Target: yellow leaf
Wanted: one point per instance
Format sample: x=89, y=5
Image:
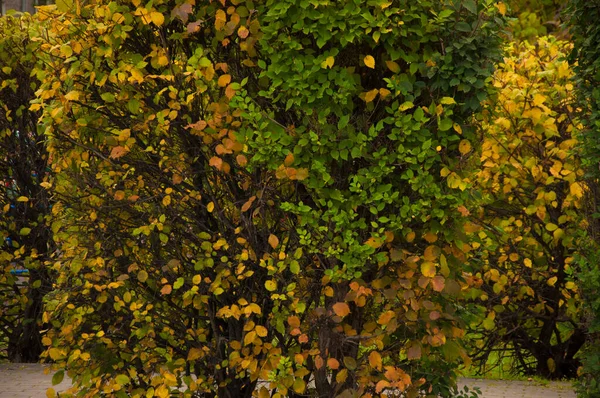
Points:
x=527, y=262
x=501, y=8
x=341, y=376
x=552, y=281
x=328, y=63
x=249, y=338
x=369, y=61
x=271, y=285
x=142, y=276
x=576, y=190
x=157, y=18
x=162, y=392
x=393, y=66
x=50, y=393
x=464, y=147
x=194, y=354
x=273, y=241
x=447, y=101
x=261, y=331
x=457, y=128
x=428, y=269
x=299, y=386
x=72, y=95
x=210, y=207
x=370, y=95
x=22, y=199
x=538, y=99
x=384, y=92
x=341, y=309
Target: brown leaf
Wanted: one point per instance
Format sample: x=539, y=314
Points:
x=118, y=151
x=414, y=351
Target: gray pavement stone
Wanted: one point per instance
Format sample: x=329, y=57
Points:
x=32, y=381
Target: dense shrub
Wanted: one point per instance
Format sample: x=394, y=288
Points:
x=531, y=186
x=25, y=239
x=585, y=56
x=262, y=191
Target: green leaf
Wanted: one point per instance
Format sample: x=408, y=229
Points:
x=58, y=377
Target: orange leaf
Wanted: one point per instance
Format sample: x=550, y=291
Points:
x=294, y=321
x=303, y=338
x=248, y=204
x=386, y=317
x=333, y=363
x=319, y=362
x=273, y=241
x=119, y=195
x=375, y=360
x=464, y=211
x=224, y=80
x=229, y=92
x=289, y=159
x=242, y=160
x=341, y=309
x=166, y=289
x=243, y=32
x=216, y=161
x=118, y=151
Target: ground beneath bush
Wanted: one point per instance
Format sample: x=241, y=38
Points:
x=31, y=381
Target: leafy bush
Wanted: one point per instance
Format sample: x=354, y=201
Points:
x=25, y=239
x=532, y=189
x=262, y=191
x=582, y=17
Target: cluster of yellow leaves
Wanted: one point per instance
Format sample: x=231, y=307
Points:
x=531, y=177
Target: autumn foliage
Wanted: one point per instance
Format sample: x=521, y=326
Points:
x=531, y=185
x=260, y=198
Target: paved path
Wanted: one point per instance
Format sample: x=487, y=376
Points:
x=30, y=381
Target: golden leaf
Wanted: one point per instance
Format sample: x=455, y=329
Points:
x=369, y=62
x=464, y=147
x=157, y=18
x=194, y=354
x=370, y=95
x=428, y=269
x=393, y=66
